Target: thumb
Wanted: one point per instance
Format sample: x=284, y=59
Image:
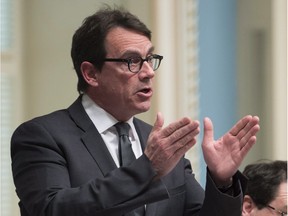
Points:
x=208, y=135
x=159, y=122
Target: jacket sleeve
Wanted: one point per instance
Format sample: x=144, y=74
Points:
x=217, y=203
x=212, y=201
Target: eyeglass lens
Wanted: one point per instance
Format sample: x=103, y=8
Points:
x=135, y=64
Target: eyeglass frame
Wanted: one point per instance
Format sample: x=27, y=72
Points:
x=277, y=210
x=128, y=61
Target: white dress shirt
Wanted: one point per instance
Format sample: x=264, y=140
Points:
x=104, y=122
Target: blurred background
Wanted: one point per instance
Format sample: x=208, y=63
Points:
x=223, y=59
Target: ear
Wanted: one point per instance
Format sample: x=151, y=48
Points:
x=248, y=206
x=89, y=73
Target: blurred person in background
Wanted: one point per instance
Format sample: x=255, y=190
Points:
x=266, y=193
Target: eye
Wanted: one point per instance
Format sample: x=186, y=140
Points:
x=135, y=60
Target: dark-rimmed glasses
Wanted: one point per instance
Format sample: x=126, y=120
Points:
x=135, y=63
x=277, y=210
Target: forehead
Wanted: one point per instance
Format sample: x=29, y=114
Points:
x=281, y=196
x=282, y=190
x=120, y=41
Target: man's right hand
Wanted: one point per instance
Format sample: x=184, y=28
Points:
x=166, y=146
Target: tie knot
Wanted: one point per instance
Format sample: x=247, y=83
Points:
x=122, y=128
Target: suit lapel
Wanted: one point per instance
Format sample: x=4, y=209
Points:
x=97, y=148
x=91, y=138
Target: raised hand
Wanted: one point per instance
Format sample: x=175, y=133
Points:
x=224, y=156
x=167, y=145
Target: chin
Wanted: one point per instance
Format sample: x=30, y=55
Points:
x=143, y=108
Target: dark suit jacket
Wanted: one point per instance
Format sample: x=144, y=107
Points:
x=62, y=167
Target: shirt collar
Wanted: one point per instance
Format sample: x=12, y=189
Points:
x=100, y=118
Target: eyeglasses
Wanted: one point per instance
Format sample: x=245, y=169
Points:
x=135, y=63
x=276, y=210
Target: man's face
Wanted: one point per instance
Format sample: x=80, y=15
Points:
x=119, y=91
x=279, y=203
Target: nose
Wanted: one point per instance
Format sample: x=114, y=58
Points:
x=146, y=71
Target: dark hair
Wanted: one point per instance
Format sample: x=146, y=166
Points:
x=263, y=181
x=88, y=43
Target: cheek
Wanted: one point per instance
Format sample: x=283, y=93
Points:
x=109, y=82
x=117, y=84
x=117, y=90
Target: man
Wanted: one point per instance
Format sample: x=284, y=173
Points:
x=266, y=193
x=69, y=162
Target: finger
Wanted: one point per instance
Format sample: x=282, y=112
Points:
x=240, y=125
x=171, y=128
x=246, y=148
x=159, y=122
x=208, y=134
x=249, y=129
x=180, y=152
x=184, y=140
x=252, y=132
x=184, y=134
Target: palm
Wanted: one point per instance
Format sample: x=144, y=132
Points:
x=224, y=156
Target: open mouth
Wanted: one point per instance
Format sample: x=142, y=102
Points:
x=145, y=90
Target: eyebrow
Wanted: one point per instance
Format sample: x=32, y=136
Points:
x=135, y=52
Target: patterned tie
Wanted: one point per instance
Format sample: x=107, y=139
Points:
x=126, y=156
